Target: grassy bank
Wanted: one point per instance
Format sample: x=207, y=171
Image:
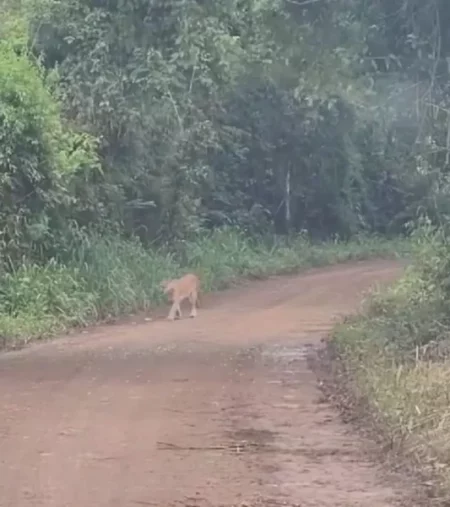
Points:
x=109, y=276
x=395, y=363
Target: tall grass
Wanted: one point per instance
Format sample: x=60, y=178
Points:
x=395, y=362
x=110, y=276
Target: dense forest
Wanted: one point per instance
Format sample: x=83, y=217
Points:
x=158, y=119
x=143, y=138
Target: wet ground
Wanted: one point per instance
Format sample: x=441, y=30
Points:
x=221, y=410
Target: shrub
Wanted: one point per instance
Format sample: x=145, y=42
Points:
x=37, y=153
x=396, y=355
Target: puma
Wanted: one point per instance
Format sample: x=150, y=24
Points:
x=186, y=287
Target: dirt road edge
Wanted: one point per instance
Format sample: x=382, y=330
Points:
x=337, y=384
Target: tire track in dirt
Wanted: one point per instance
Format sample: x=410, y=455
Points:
x=217, y=411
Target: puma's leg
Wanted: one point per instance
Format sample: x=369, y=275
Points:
x=174, y=310
x=193, y=301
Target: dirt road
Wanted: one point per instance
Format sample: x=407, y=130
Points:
x=217, y=411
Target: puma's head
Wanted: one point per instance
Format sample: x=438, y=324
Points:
x=166, y=285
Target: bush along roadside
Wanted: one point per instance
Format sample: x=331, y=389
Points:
x=394, y=360
x=108, y=277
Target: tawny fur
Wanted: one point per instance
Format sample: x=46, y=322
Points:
x=186, y=287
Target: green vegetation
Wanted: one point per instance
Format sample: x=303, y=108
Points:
x=109, y=277
x=160, y=119
x=396, y=356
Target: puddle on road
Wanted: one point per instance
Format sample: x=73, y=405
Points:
x=289, y=353
x=279, y=352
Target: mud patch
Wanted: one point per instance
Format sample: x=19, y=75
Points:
x=250, y=439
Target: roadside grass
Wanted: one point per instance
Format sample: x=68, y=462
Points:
x=393, y=361
x=108, y=277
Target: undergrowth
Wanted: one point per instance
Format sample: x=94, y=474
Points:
x=107, y=277
x=395, y=359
